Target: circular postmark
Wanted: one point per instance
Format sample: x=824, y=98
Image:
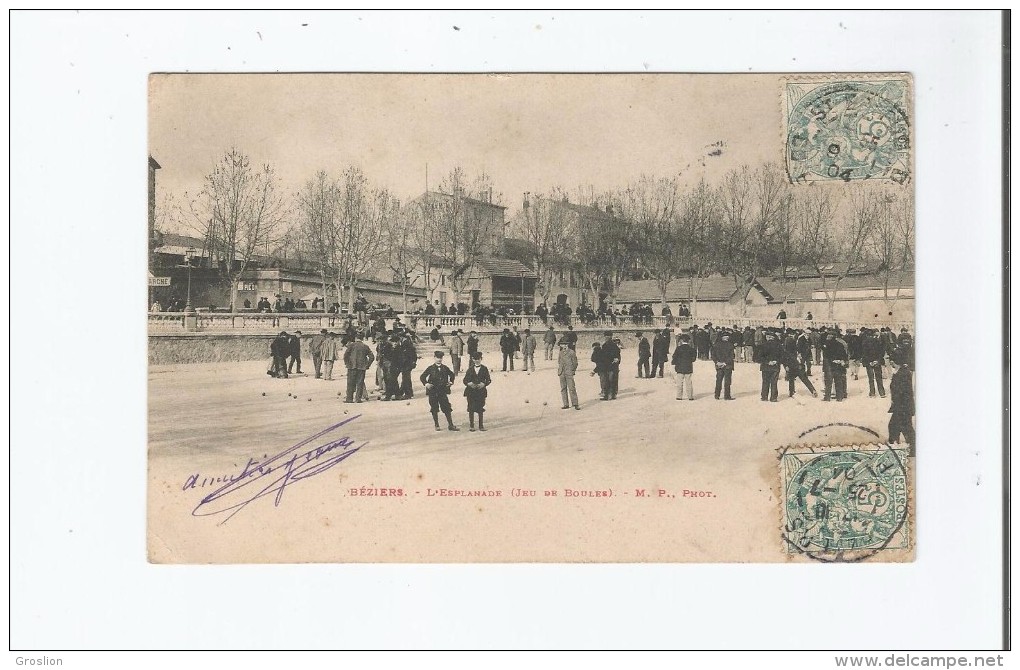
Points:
x=844, y=504
x=848, y=130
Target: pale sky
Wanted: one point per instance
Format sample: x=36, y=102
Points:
x=529, y=132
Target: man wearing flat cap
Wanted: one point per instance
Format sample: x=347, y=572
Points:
x=438, y=379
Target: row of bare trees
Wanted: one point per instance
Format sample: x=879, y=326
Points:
x=752, y=223
x=340, y=225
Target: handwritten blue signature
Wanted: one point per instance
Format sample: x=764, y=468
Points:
x=271, y=476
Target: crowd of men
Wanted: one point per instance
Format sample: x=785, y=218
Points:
x=788, y=353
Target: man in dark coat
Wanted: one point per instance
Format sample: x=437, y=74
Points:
x=476, y=379
x=279, y=348
x=816, y=344
x=769, y=359
x=702, y=342
x=901, y=388
x=873, y=358
x=408, y=362
x=609, y=366
x=660, y=352
x=804, y=350
x=358, y=358
x=472, y=344
x=683, y=362
x=795, y=368
x=723, y=355
x=644, y=353
x=747, y=340
x=836, y=358
x=854, y=351
x=390, y=362
x=438, y=379
x=508, y=345
x=294, y=351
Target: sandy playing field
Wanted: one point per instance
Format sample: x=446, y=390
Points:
x=644, y=477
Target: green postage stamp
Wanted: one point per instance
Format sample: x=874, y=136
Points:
x=848, y=129
x=846, y=503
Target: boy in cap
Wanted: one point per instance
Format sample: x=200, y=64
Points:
x=476, y=379
x=438, y=379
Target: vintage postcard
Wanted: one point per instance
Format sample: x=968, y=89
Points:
x=458, y=318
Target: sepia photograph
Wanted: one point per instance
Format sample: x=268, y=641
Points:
x=531, y=318
x=509, y=330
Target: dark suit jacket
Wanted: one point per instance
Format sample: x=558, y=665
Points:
x=901, y=388
x=683, y=359
x=475, y=376
x=440, y=376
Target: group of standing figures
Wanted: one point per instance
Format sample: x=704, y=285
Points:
x=839, y=355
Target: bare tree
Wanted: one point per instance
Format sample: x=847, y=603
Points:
x=891, y=242
x=735, y=199
x=653, y=205
x=363, y=212
x=771, y=193
x=545, y=223
x=850, y=240
x=317, y=204
x=426, y=217
x=597, y=241
x=241, y=211
x=700, y=230
x=816, y=228
x=401, y=256
x=454, y=229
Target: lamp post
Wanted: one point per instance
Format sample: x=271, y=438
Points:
x=522, y=292
x=189, y=254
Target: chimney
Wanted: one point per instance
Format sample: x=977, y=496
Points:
x=526, y=202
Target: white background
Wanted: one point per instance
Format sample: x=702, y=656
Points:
x=79, y=578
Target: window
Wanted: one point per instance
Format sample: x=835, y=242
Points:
x=286, y=287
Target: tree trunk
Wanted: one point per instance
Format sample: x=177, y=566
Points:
x=233, y=295
x=324, y=292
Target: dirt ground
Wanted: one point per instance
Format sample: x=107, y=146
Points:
x=708, y=469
